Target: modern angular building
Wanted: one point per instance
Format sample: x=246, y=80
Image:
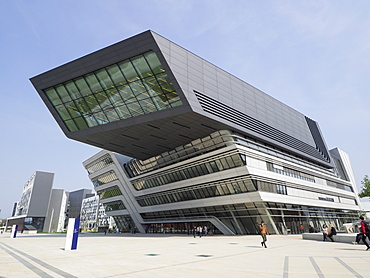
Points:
x=40, y=208
x=187, y=143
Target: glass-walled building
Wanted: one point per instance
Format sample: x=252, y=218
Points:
x=186, y=143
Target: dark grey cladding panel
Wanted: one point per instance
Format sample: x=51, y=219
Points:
x=96, y=60
x=319, y=141
x=248, y=125
x=196, y=74
x=144, y=139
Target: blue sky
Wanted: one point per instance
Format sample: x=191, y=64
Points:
x=312, y=55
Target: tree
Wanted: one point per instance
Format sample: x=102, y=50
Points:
x=365, y=191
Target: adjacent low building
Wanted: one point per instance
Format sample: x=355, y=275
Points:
x=186, y=143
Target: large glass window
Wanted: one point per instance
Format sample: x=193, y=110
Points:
x=130, y=88
x=217, y=165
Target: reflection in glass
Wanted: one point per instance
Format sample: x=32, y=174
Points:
x=130, y=88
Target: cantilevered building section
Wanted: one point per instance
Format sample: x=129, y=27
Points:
x=187, y=143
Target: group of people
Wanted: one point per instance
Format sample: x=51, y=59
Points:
x=362, y=233
x=328, y=232
x=200, y=231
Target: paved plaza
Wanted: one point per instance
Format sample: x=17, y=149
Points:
x=158, y=255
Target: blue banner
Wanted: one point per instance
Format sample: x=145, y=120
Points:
x=75, y=233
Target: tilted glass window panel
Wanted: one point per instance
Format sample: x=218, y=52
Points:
x=123, y=112
x=126, y=93
x=80, y=122
x=63, y=94
x=82, y=106
x=93, y=83
x=92, y=102
x=82, y=86
x=159, y=103
x=165, y=84
x=72, y=90
x=141, y=66
x=154, y=62
x=175, y=101
x=104, y=78
x=114, y=97
x=230, y=162
x=101, y=117
x=148, y=105
x=116, y=75
x=135, y=109
x=90, y=119
x=219, y=190
x=63, y=112
x=111, y=115
x=137, y=87
x=103, y=100
x=128, y=71
x=53, y=96
x=72, y=109
x=152, y=85
x=155, y=88
x=71, y=125
x=142, y=95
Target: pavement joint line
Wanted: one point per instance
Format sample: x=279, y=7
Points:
x=47, y=266
x=286, y=267
x=316, y=267
x=192, y=262
x=349, y=268
x=30, y=266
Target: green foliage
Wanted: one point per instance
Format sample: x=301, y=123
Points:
x=365, y=191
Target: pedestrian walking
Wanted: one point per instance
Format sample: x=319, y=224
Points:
x=205, y=230
x=301, y=227
x=264, y=232
x=194, y=231
x=199, y=230
x=364, y=232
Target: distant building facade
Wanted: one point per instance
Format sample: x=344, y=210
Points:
x=75, y=201
x=186, y=143
x=44, y=209
x=32, y=210
x=56, y=217
x=93, y=215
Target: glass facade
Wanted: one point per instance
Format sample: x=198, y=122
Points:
x=124, y=223
x=104, y=178
x=109, y=192
x=130, y=88
x=117, y=205
x=217, y=165
x=99, y=164
x=242, y=218
x=221, y=188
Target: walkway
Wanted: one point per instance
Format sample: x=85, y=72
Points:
x=157, y=255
